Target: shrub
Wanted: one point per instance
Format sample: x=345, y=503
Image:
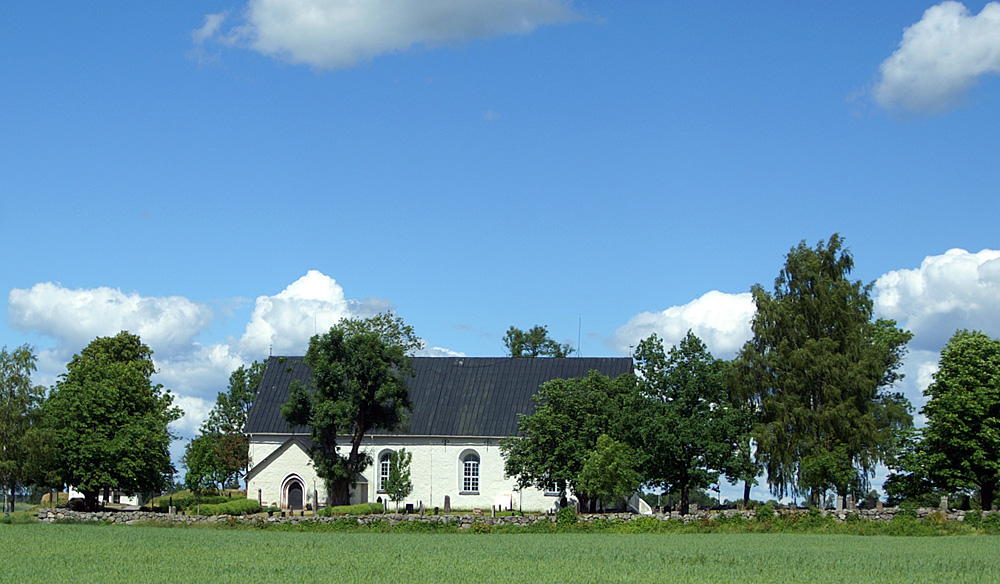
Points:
x=973, y=518
x=991, y=523
x=765, y=513
x=234, y=507
x=566, y=517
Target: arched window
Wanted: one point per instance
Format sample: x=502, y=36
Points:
x=470, y=474
x=383, y=470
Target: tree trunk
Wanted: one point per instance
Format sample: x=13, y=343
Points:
x=90, y=500
x=987, y=491
x=685, y=499
x=341, y=493
x=746, y=494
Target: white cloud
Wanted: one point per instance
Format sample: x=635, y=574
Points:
x=721, y=320
x=195, y=413
x=283, y=324
x=940, y=58
x=955, y=290
x=438, y=352
x=334, y=34
x=168, y=324
x=203, y=372
x=210, y=28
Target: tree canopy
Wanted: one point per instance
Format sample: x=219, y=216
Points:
x=360, y=378
x=961, y=443
x=21, y=442
x=556, y=441
x=683, y=422
x=534, y=343
x=111, y=420
x=821, y=371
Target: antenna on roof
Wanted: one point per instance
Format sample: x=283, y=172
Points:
x=579, y=332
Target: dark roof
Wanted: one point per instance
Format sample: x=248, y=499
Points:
x=452, y=396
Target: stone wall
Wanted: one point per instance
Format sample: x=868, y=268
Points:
x=464, y=521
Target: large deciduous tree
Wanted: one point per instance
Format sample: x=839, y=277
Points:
x=111, y=420
x=534, y=343
x=821, y=372
x=21, y=442
x=360, y=378
x=557, y=439
x=961, y=443
x=684, y=424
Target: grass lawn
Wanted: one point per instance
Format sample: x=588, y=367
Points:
x=94, y=554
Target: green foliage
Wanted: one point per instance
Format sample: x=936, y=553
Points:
x=610, y=473
x=184, y=501
x=398, y=485
x=111, y=421
x=555, y=441
x=991, y=523
x=683, y=422
x=566, y=516
x=961, y=445
x=820, y=371
x=534, y=343
x=204, y=469
x=233, y=507
x=25, y=448
x=360, y=370
x=764, y=513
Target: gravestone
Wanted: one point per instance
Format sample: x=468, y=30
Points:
x=878, y=505
x=840, y=502
x=944, y=504
x=850, y=503
x=447, y=504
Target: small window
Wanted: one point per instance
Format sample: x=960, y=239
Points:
x=383, y=471
x=470, y=474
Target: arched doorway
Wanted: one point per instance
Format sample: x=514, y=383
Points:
x=294, y=495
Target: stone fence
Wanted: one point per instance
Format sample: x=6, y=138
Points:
x=463, y=521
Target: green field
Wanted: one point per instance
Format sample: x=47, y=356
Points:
x=94, y=554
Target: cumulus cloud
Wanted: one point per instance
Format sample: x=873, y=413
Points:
x=940, y=58
x=334, y=34
x=284, y=323
x=168, y=324
x=195, y=413
x=955, y=290
x=721, y=320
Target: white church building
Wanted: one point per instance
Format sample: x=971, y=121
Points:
x=462, y=407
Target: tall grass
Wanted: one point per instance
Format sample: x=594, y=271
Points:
x=78, y=553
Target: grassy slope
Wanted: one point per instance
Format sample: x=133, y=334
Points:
x=94, y=554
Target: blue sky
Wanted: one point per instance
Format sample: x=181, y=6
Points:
x=225, y=178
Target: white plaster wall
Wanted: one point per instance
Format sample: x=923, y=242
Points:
x=436, y=470
x=267, y=481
